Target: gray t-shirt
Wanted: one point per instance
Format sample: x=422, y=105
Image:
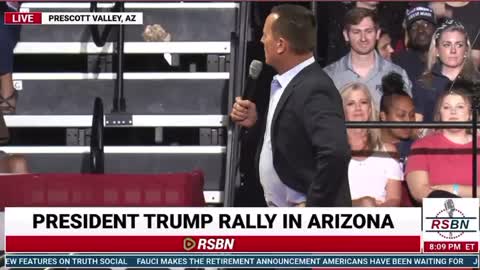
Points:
x=342, y=73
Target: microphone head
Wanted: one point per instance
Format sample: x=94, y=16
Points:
x=449, y=205
x=255, y=69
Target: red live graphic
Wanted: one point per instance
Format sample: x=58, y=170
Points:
x=23, y=18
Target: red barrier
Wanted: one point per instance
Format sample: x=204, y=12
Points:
x=179, y=189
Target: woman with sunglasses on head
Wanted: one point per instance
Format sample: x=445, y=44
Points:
x=467, y=12
x=449, y=57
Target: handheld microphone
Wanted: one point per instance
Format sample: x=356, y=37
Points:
x=253, y=74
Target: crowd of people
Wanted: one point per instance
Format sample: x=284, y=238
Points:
x=427, y=79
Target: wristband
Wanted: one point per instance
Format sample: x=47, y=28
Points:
x=455, y=189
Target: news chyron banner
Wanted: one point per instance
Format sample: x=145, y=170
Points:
x=230, y=237
x=72, y=18
x=206, y=230
x=450, y=225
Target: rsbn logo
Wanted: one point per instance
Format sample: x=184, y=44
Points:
x=451, y=223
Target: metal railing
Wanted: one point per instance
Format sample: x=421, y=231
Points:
x=238, y=70
x=379, y=124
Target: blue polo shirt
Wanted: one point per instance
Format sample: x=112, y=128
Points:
x=342, y=73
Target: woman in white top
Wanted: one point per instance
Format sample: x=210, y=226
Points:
x=374, y=176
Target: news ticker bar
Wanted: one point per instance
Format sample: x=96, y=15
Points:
x=243, y=260
x=72, y=18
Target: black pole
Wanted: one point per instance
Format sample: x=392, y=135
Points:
x=238, y=40
x=119, y=103
x=475, y=108
x=96, y=140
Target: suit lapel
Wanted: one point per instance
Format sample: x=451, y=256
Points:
x=286, y=93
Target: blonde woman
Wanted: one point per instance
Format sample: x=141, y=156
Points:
x=374, y=175
x=449, y=57
x=467, y=12
x=443, y=160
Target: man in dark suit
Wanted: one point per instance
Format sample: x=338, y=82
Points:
x=303, y=158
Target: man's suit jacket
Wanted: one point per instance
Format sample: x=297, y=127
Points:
x=309, y=140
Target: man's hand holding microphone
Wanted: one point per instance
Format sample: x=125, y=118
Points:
x=244, y=111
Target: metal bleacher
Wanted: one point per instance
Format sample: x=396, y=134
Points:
x=64, y=70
